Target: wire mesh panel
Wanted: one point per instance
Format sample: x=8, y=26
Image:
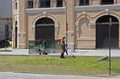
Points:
x=41, y=46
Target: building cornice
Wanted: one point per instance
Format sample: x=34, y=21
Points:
x=100, y=7
x=41, y=10
x=77, y=8
x=15, y=12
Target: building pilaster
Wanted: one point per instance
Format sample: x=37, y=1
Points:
x=22, y=31
x=70, y=20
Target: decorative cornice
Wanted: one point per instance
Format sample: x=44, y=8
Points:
x=41, y=10
x=15, y=12
x=100, y=7
x=77, y=8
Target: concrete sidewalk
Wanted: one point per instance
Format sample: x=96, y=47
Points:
x=102, y=52
x=12, y=75
x=15, y=51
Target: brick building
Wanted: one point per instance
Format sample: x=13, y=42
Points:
x=5, y=29
x=88, y=22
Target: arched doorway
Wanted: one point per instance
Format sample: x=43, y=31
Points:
x=102, y=32
x=44, y=29
x=16, y=33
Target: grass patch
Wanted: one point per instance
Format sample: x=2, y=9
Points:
x=5, y=50
x=55, y=65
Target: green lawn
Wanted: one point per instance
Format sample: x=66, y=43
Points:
x=5, y=50
x=56, y=65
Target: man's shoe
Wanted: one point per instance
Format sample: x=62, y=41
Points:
x=62, y=57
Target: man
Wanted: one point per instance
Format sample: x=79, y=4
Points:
x=63, y=47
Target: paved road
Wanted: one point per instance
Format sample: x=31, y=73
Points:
x=10, y=75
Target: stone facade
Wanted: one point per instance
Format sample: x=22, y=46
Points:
x=81, y=19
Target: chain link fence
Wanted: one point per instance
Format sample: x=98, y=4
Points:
x=44, y=47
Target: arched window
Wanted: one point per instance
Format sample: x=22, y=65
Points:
x=59, y=3
x=105, y=26
x=83, y=2
x=44, y=3
x=16, y=33
x=44, y=29
x=30, y=4
x=16, y=6
x=103, y=2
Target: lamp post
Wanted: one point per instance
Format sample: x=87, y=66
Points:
x=110, y=24
x=109, y=29
x=65, y=1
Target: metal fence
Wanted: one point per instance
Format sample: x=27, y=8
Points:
x=44, y=46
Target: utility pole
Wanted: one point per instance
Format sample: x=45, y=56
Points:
x=110, y=24
x=65, y=1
